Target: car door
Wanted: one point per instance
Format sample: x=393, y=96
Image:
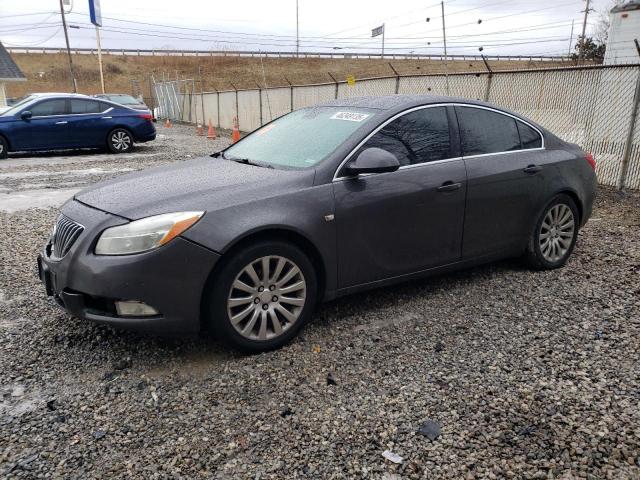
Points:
x=46, y=129
x=506, y=178
x=88, y=122
x=395, y=223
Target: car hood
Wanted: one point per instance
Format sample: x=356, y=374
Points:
x=200, y=184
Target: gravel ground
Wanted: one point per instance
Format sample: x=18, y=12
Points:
x=511, y=373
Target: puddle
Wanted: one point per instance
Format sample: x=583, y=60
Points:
x=44, y=198
x=15, y=401
x=48, y=159
x=87, y=171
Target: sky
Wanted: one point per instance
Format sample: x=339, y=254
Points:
x=499, y=27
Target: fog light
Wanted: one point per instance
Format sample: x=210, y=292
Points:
x=134, y=308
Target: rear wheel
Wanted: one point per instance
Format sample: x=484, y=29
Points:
x=554, y=235
x=120, y=140
x=4, y=147
x=262, y=296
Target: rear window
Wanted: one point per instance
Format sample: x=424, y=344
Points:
x=124, y=99
x=485, y=131
x=87, y=106
x=529, y=137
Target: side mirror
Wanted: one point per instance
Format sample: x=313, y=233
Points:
x=26, y=115
x=373, y=160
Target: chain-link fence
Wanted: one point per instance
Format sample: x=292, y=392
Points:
x=595, y=107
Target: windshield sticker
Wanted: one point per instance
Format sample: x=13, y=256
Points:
x=265, y=129
x=350, y=116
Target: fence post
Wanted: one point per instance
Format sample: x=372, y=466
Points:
x=204, y=119
x=291, y=96
x=260, y=99
x=218, y=108
x=626, y=155
x=397, y=78
x=237, y=104
x=487, y=91
x=334, y=81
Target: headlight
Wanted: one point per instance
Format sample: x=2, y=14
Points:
x=145, y=234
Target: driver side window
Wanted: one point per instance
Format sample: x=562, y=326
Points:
x=49, y=107
x=420, y=136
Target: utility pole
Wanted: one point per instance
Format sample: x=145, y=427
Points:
x=444, y=37
x=382, y=41
x=297, y=31
x=584, y=31
x=571, y=36
x=74, y=85
x=100, y=58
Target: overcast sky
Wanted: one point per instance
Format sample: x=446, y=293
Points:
x=500, y=27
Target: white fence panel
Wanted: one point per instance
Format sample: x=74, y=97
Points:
x=375, y=87
x=248, y=110
x=227, y=109
x=275, y=103
x=312, y=95
x=211, y=109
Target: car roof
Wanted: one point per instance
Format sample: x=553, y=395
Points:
x=392, y=104
x=57, y=95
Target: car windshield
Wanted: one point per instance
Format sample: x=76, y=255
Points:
x=17, y=106
x=124, y=99
x=302, y=138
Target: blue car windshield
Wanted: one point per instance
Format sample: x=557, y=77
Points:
x=302, y=138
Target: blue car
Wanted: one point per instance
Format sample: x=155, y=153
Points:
x=66, y=121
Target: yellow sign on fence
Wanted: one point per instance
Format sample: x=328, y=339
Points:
x=351, y=80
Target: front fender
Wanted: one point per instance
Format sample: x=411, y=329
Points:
x=302, y=212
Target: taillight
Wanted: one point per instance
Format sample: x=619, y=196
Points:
x=146, y=116
x=589, y=158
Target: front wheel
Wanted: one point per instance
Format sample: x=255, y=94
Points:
x=4, y=147
x=120, y=140
x=554, y=235
x=262, y=296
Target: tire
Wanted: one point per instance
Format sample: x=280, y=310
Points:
x=120, y=140
x=4, y=147
x=263, y=319
x=554, y=235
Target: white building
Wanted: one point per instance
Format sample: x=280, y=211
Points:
x=624, y=29
x=9, y=72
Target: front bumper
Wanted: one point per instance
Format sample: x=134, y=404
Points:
x=170, y=279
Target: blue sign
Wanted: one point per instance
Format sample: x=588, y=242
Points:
x=94, y=12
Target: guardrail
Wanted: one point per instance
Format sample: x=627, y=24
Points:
x=270, y=54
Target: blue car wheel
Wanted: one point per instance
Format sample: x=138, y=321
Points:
x=120, y=140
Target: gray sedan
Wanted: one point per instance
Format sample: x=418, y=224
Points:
x=325, y=201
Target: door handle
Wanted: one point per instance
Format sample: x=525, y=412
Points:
x=61, y=123
x=532, y=169
x=106, y=117
x=449, y=186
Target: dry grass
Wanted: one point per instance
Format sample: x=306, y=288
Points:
x=49, y=72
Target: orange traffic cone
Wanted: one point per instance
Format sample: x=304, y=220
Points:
x=167, y=124
x=199, y=130
x=235, y=135
x=212, y=132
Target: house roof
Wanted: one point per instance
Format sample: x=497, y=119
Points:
x=627, y=6
x=9, y=71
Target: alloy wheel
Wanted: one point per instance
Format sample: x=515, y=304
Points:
x=266, y=298
x=121, y=140
x=556, y=232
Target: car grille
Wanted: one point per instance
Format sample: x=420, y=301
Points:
x=66, y=233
